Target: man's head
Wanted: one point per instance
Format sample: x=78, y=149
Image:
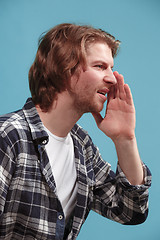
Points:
x=61, y=52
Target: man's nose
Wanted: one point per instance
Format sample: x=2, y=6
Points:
x=110, y=78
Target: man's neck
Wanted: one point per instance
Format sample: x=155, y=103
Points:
x=62, y=116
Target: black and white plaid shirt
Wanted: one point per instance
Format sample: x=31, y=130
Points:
x=29, y=207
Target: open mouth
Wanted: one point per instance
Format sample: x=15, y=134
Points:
x=103, y=91
x=100, y=92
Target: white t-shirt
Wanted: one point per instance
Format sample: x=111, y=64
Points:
x=61, y=156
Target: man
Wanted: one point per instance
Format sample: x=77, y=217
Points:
x=51, y=173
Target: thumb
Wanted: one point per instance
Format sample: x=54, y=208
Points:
x=98, y=118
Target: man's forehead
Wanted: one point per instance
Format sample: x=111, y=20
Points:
x=99, y=51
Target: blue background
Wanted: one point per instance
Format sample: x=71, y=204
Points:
x=137, y=25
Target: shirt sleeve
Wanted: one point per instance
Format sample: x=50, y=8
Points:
x=115, y=198
x=7, y=165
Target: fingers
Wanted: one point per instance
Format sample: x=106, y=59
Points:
x=129, y=98
x=122, y=90
x=111, y=94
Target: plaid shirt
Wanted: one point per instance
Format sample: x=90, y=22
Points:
x=29, y=206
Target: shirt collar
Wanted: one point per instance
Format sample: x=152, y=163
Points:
x=38, y=132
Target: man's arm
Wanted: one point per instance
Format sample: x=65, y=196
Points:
x=119, y=125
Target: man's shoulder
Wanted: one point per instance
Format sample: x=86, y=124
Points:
x=23, y=125
x=10, y=118
x=12, y=121
x=20, y=119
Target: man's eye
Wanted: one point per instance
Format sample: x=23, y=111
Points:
x=100, y=66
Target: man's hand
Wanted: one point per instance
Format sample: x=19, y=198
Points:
x=119, y=125
x=119, y=120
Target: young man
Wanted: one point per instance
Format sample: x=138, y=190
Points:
x=51, y=173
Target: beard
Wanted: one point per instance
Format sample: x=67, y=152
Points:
x=84, y=103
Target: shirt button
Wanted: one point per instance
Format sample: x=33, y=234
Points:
x=44, y=142
x=60, y=217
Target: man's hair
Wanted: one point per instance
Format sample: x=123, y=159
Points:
x=60, y=53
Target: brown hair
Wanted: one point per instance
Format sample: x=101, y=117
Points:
x=60, y=52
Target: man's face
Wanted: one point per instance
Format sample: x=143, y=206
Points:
x=89, y=91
